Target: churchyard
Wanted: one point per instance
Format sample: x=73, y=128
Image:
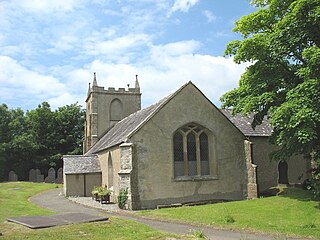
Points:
x=293, y=212
x=14, y=202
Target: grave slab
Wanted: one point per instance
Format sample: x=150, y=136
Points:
x=36, y=222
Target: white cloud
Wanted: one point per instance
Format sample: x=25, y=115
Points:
x=165, y=73
x=176, y=48
x=115, y=45
x=165, y=69
x=65, y=99
x=50, y=50
x=46, y=6
x=25, y=84
x=213, y=75
x=182, y=5
x=210, y=16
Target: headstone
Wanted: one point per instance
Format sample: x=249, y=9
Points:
x=13, y=177
x=39, y=176
x=32, y=175
x=59, y=176
x=51, y=176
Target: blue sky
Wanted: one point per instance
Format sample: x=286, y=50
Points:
x=50, y=49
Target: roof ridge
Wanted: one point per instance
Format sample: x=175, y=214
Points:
x=133, y=124
x=160, y=103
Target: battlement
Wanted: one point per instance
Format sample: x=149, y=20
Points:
x=114, y=90
x=106, y=107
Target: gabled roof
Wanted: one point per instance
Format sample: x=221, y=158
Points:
x=243, y=123
x=129, y=125
x=81, y=164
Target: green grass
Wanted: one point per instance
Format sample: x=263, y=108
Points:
x=14, y=202
x=117, y=228
x=293, y=213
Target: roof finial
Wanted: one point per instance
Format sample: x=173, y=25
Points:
x=94, y=80
x=89, y=88
x=137, y=86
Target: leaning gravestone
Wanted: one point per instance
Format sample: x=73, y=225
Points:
x=32, y=175
x=39, y=176
x=13, y=177
x=59, y=176
x=51, y=176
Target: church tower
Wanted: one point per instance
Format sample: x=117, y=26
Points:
x=106, y=107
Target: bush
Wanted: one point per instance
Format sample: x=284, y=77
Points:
x=122, y=198
x=101, y=191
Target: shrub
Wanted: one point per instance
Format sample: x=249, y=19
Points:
x=101, y=191
x=122, y=198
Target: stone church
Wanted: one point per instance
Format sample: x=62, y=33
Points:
x=181, y=149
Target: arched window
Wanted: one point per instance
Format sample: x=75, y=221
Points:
x=110, y=171
x=178, y=154
x=191, y=151
x=116, y=110
x=192, y=154
x=204, y=153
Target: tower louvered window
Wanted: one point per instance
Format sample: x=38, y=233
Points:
x=191, y=151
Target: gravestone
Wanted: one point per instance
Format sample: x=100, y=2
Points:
x=13, y=177
x=32, y=175
x=39, y=176
x=59, y=176
x=51, y=178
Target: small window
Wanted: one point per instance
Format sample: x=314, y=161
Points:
x=178, y=147
x=204, y=150
x=178, y=154
x=204, y=154
x=116, y=110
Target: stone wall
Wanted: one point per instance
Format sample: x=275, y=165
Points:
x=98, y=118
x=267, y=170
x=252, y=187
x=153, y=146
x=107, y=159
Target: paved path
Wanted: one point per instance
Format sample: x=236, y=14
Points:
x=55, y=201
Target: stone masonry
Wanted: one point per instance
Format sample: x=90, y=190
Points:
x=252, y=188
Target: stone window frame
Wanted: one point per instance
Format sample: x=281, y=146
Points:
x=197, y=130
x=115, y=106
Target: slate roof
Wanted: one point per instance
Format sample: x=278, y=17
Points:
x=123, y=129
x=126, y=127
x=81, y=164
x=243, y=123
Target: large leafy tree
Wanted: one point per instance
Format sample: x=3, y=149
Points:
x=38, y=138
x=69, y=130
x=281, y=40
x=5, y=137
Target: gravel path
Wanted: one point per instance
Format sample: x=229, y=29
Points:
x=55, y=201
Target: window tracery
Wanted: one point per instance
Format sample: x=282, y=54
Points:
x=191, y=151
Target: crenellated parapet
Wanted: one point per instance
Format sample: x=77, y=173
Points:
x=107, y=106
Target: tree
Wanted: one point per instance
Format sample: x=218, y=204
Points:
x=39, y=138
x=5, y=119
x=41, y=127
x=69, y=129
x=281, y=40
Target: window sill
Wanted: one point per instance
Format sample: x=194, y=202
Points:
x=195, y=178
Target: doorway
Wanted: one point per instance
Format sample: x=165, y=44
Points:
x=283, y=172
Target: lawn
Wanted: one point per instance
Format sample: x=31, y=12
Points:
x=14, y=202
x=292, y=212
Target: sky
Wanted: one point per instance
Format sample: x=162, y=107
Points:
x=49, y=50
